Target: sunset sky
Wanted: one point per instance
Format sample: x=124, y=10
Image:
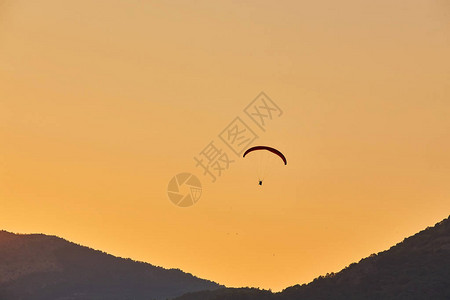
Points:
x=103, y=102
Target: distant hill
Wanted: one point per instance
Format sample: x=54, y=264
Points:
x=38, y=267
x=417, y=268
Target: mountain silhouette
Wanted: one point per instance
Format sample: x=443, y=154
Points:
x=417, y=268
x=37, y=266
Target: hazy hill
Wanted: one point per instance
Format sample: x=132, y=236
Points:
x=37, y=266
x=417, y=268
x=46, y=267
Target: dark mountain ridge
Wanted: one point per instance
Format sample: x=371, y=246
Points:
x=37, y=266
x=416, y=268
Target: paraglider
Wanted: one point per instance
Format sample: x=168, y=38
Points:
x=269, y=149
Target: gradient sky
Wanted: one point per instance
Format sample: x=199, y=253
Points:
x=102, y=102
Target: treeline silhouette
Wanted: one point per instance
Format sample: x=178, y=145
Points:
x=36, y=266
x=417, y=268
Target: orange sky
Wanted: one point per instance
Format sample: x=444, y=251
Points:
x=102, y=102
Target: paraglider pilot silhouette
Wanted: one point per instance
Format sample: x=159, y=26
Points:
x=266, y=148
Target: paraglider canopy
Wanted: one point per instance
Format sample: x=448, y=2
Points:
x=263, y=166
x=273, y=150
